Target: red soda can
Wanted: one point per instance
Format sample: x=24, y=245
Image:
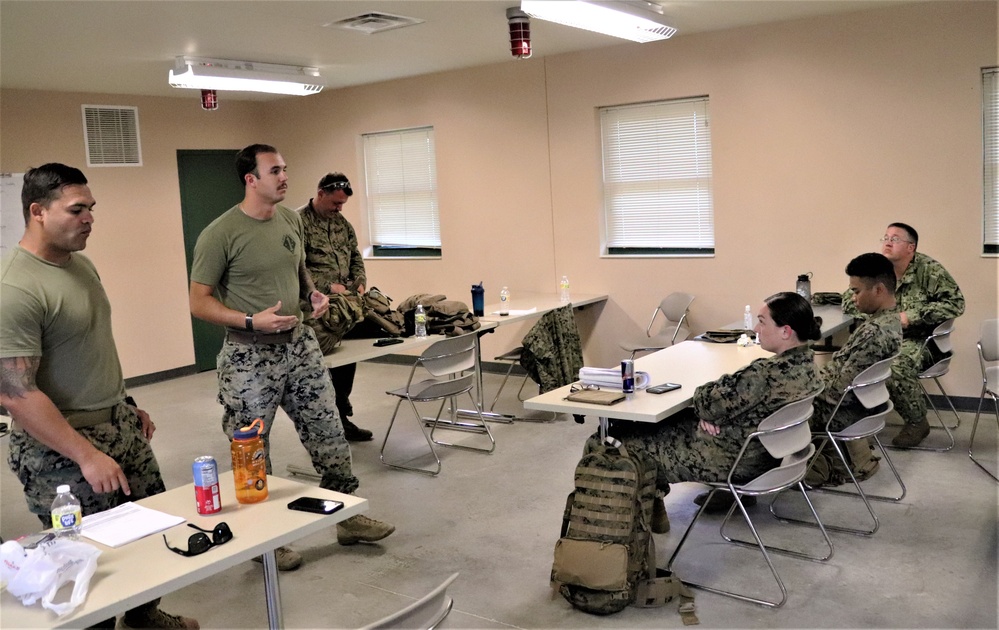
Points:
x=206, y=485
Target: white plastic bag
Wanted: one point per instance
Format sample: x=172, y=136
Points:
x=37, y=574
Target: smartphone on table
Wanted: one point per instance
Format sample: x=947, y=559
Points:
x=314, y=505
x=662, y=389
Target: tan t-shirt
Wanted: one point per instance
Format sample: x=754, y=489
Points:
x=61, y=314
x=252, y=263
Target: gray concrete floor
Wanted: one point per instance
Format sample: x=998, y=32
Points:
x=495, y=519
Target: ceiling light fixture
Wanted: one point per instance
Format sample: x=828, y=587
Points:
x=636, y=21
x=202, y=73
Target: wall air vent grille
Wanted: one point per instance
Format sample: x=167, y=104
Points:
x=111, y=134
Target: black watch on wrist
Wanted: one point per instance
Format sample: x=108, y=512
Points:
x=249, y=322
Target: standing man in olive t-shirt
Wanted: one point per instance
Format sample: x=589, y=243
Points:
x=60, y=377
x=248, y=275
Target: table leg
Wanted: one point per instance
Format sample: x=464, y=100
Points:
x=604, y=426
x=272, y=591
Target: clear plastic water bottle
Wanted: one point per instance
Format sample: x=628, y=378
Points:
x=747, y=318
x=504, y=301
x=67, y=517
x=563, y=293
x=420, y=319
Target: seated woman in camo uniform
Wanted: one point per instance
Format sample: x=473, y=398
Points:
x=702, y=442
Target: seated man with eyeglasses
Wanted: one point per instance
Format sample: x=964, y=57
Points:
x=927, y=296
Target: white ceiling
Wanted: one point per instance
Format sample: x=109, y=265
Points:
x=127, y=47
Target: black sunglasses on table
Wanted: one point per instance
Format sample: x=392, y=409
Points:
x=200, y=543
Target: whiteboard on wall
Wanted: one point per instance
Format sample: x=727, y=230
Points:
x=11, y=214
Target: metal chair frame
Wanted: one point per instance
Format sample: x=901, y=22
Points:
x=988, y=353
x=425, y=613
x=940, y=337
x=869, y=387
x=447, y=362
x=786, y=436
x=674, y=308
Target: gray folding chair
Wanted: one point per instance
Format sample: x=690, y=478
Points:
x=940, y=339
x=450, y=364
x=674, y=308
x=869, y=388
x=425, y=613
x=988, y=358
x=787, y=437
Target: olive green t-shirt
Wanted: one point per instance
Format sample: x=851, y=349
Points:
x=252, y=263
x=61, y=314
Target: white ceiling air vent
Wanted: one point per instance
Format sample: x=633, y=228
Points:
x=375, y=22
x=111, y=133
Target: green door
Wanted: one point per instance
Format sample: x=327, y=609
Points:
x=208, y=187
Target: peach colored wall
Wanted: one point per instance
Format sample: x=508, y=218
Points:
x=824, y=130
x=138, y=242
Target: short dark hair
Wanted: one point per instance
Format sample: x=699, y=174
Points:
x=246, y=160
x=45, y=183
x=787, y=308
x=873, y=268
x=911, y=231
x=334, y=181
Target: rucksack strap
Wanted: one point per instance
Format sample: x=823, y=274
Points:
x=663, y=589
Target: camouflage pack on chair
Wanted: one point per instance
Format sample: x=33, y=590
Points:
x=345, y=312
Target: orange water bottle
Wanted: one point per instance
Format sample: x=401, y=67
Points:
x=249, y=463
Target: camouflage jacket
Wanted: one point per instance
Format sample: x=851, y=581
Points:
x=331, y=252
x=739, y=402
x=927, y=294
x=553, y=353
x=878, y=337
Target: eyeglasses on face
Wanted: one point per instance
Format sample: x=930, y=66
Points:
x=893, y=240
x=344, y=186
x=199, y=543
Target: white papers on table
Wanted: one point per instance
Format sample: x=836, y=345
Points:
x=513, y=311
x=610, y=378
x=126, y=523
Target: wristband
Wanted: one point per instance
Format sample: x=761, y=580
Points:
x=249, y=321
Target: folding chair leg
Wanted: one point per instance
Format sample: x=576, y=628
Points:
x=974, y=428
x=943, y=425
x=426, y=436
x=499, y=391
x=759, y=544
x=874, y=497
x=482, y=427
x=781, y=550
x=957, y=418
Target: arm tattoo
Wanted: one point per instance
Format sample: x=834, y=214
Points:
x=17, y=376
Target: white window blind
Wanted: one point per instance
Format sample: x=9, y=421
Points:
x=990, y=159
x=401, y=178
x=657, y=178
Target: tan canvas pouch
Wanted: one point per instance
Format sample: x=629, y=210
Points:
x=592, y=564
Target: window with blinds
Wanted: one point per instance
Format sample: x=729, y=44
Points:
x=400, y=173
x=657, y=179
x=990, y=160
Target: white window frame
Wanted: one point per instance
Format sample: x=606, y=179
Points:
x=657, y=179
x=990, y=161
x=400, y=176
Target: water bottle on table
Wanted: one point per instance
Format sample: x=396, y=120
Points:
x=249, y=463
x=563, y=290
x=67, y=517
x=420, y=320
x=504, y=301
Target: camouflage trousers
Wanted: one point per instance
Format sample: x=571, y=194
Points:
x=41, y=469
x=256, y=379
x=904, y=387
x=684, y=453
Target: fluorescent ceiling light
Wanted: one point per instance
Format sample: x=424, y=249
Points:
x=201, y=73
x=637, y=21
